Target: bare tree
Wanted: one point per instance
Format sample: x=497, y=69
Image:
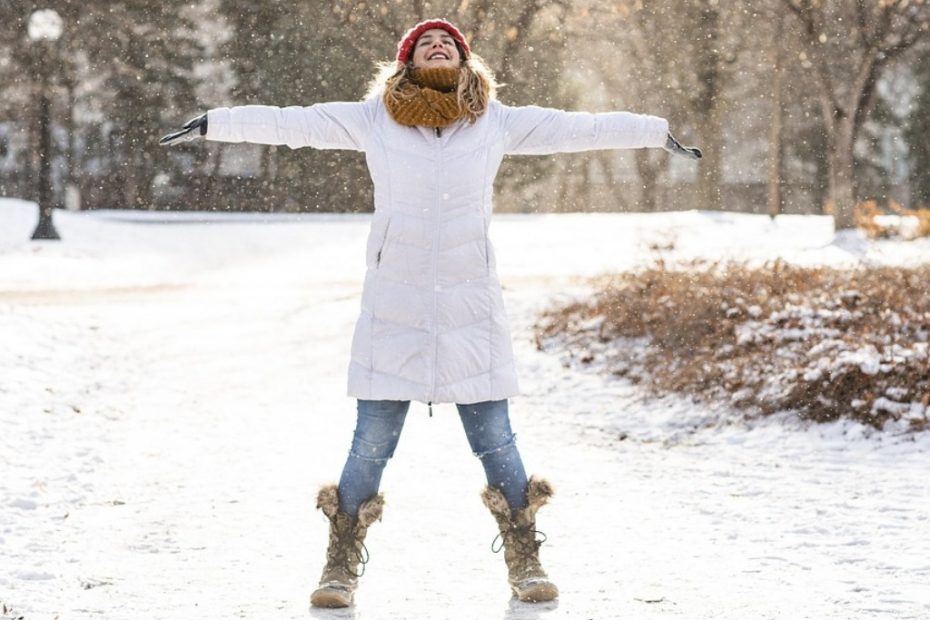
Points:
x=849, y=43
x=706, y=99
x=917, y=132
x=680, y=61
x=644, y=73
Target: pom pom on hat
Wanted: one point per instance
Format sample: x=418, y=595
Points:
x=406, y=43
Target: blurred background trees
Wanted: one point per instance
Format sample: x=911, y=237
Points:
x=850, y=45
x=844, y=117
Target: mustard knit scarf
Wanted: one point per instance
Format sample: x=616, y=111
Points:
x=428, y=100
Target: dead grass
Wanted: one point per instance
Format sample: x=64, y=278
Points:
x=824, y=343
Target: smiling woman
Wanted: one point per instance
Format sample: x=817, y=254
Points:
x=432, y=325
x=435, y=79
x=436, y=48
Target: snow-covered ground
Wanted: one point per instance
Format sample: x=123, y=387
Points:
x=172, y=394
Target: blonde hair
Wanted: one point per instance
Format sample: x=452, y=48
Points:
x=476, y=87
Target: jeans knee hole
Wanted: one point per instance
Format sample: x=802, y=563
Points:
x=511, y=443
x=370, y=459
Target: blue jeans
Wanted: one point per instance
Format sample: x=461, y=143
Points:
x=487, y=427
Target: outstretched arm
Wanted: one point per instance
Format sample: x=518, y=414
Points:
x=335, y=125
x=532, y=130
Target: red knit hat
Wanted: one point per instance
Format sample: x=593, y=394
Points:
x=405, y=46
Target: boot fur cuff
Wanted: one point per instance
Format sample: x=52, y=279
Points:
x=327, y=500
x=496, y=503
x=538, y=492
x=370, y=510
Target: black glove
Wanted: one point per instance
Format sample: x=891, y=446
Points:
x=193, y=129
x=672, y=146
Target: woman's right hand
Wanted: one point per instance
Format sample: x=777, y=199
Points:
x=672, y=146
x=192, y=130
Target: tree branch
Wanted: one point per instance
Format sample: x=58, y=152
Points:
x=809, y=18
x=522, y=25
x=480, y=13
x=913, y=28
x=882, y=25
x=862, y=22
x=797, y=9
x=863, y=87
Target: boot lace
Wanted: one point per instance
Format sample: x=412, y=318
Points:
x=524, y=541
x=344, y=539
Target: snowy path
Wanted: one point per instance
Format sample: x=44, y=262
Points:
x=172, y=396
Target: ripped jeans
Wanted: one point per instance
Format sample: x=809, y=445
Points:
x=487, y=427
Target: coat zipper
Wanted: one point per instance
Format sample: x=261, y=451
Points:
x=438, y=219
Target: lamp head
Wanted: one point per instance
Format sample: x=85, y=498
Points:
x=45, y=25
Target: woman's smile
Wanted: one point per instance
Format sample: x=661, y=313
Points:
x=436, y=48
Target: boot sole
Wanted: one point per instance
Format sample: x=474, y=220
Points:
x=538, y=592
x=330, y=598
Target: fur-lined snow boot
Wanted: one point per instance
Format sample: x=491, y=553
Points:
x=527, y=578
x=346, y=548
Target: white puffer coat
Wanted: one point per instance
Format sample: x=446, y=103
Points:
x=432, y=325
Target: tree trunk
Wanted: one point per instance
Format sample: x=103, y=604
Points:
x=842, y=189
x=71, y=156
x=564, y=192
x=618, y=201
x=521, y=25
x=139, y=169
x=710, y=172
x=776, y=142
x=648, y=172
x=708, y=106
x=585, y=190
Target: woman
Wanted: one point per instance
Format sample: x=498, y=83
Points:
x=432, y=325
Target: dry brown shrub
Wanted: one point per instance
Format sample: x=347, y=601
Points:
x=922, y=216
x=822, y=342
x=867, y=215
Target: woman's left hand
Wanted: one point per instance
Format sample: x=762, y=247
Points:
x=691, y=152
x=192, y=130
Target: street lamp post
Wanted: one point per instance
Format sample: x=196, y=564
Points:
x=45, y=28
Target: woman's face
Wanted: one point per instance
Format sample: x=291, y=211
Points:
x=436, y=48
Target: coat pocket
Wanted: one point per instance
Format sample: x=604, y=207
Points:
x=383, y=245
x=487, y=246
